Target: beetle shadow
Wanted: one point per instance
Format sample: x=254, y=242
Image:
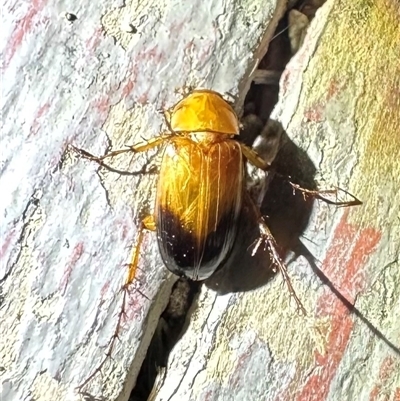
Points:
x=287, y=214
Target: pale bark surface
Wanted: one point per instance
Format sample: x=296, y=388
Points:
x=340, y=105
x=68, y=227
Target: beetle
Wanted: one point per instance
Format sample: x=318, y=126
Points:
x=200, y=192
x=200, y=187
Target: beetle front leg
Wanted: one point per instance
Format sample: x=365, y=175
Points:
x=141, y=147
x=146, y=224
x=256, y=160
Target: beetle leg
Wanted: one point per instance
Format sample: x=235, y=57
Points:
x=268, y=240
x=324, y=194
x=141, y=147
x=254, y=158
x=146, y=224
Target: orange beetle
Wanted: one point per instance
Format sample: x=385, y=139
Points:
x=200, y=192
x=200, y=187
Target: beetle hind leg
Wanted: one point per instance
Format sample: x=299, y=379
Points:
x=146, y=224
x=267, y=239
x=269, y=242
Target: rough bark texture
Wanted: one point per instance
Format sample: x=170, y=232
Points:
x=68, y=227
x=340, y=108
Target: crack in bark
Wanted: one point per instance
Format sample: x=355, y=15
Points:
x=30, y=209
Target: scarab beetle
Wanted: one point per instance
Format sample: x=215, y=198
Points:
x=200, y=187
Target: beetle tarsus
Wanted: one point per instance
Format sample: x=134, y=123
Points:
x=324, y=194
x=111, y=343
x=268, y=239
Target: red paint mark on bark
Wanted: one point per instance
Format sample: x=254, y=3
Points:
x=7, y=241
x=209, y=395
x=36, y=123
x=373, y=396
x=334, y=89
x=93, y=42
x=206, y=50
x=143, y=98
x=344, y=264
x=122, y=227
x=76, y=255
x=104, y=289
x=175, y=28
x=376, y=395
x=315, y=113
x=126, y=90
x=23, y=26
x=102, y=105
x=387, y=368
x=243, y=362
x=295, y=69
x=153, y=54
x=42, y=110
x=397, y=394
